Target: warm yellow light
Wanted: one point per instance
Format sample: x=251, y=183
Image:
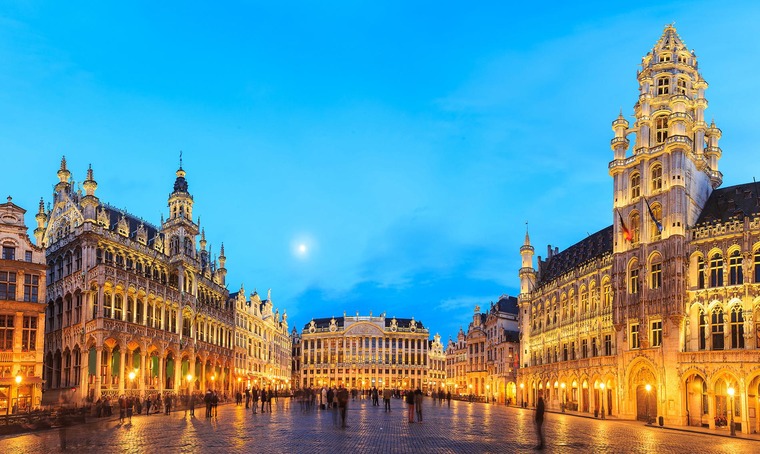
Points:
x=522, y=385
x=213, y=377
x=239, y=379
x=18, y=379
x=602, y=386
x=131, y=375
x=648, y=387
x=189, y=377
x=562, y=385
x=731, y=392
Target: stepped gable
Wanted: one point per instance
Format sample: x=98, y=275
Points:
x=733, y=201
x=591, y=247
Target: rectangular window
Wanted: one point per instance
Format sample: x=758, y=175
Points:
x=572, y=351
x=657, y=333
x=634, y=336
x=9, y=253
x=6, y=332
x=607, y=345
x=31, y=287
x=656, y=275
x=28, y=256
x=29, y=334
x=633, y=281
x=584, y=348
x=7, y=285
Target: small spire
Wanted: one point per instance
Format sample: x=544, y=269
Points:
x=89, y=173
x=9, y=199
x=63, y=163
x=221, y=254
x=42, y=206
x=527, y=237
x=180, y=159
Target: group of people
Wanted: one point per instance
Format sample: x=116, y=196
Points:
x=252, y=397
x=413, y=401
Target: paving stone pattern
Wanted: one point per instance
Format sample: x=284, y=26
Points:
x=463, y=428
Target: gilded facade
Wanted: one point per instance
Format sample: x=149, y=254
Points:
x=262, y=343
x=654, y=315
x=483, y=361
x=133, y=307
x=436, y=375
x=362, y=352
x=22, y=314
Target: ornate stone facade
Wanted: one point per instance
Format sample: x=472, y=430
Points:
x=654, y=316
x=364, y=351
x=483, y=361
x=262, y=343
x=22, y=313
x=132, y=307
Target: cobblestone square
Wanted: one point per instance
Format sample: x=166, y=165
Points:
x=462, y=428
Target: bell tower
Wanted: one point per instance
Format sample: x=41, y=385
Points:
x=179, y=228
x=660, y=189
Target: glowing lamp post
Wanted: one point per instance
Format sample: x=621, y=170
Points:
x=564, y=397
x=213, y=377
x=731, y=421
x=132, y=380
x=648, y=387
x=602, y=395
x=18, y=391
x=522, y=394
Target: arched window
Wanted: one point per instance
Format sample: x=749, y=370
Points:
x=660, y=128
x=735, y=272
x=607, y=289
x=717, y=329
x=584, y=301
x=656, y=223
x=663, y=83
x=107, y=305
x=757, y=265
x=635, y=228
x=656, y=177
x=655, y=272
x=737, y=327
x=633, y=278
x=635, y=185
x=700, y=273
x=118, y=307
x=716, y=270
x=564, y=307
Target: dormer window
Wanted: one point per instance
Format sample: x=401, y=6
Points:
x=664, y=58
x=683, y=59
x=663, y=86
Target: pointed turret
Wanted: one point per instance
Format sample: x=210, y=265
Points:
x=527, y=273
x=89, y=201
x=620, y=142
x=222, y=271
x=41, y=218
x=63, y=177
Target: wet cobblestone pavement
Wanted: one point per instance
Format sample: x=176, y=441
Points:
x=463, y=428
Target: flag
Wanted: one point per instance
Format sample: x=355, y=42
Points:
x=626, y=233
x=654, y=219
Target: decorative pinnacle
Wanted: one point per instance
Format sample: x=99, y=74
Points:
x=63, y=163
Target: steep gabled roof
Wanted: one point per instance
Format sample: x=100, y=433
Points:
x=590, y=248
x=733, y=201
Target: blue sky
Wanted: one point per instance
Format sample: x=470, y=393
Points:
x=404, y=143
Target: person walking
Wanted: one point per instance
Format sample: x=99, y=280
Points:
x=130, y=408
x=168, y=405
x=387, y=398
x=448, y=398
x=122, y=408
x=214, y=403
x=263, y=400
x=147, y=406
x=192, y=405
x=539, y=418
x=342, y=405
x=271, y=394
x=207, y=401
x=418, y=404
x=254, y=399
x=410, y=405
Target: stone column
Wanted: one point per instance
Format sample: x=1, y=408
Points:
x=143, y=373
x=122, y=358
x=192, y=371
x=202, y=378
x=98, y=372
x=711, y=408
x=160, y=374
x=177, y=373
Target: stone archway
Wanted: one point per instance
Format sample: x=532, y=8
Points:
x=696, y=400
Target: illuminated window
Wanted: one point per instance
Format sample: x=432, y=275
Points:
x=716, y=270
x=656, y=273
x=657, y=177
x=633, y=279
x=635, y=185
x=660, y=128
x=29, y=334
x=735, y=273
x=737, y=327
x=663, y=86
x=607, y=289
x=635, y=335
x=6, y=332
x=700, y=273
x=635, y=228
x=702, y=329
x=664, y=58
x=717, y=329
x=657, y=333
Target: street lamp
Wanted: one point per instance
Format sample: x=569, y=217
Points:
x=488, y=391
x=648, y=387
x=602, y=386
x=132, y=380
x=731, y=394
x=522, y=394
x=18, y=392
x=564, y=397
x=213, y=377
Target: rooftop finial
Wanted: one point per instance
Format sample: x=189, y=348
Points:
x=180, y=159
x=63, y=162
